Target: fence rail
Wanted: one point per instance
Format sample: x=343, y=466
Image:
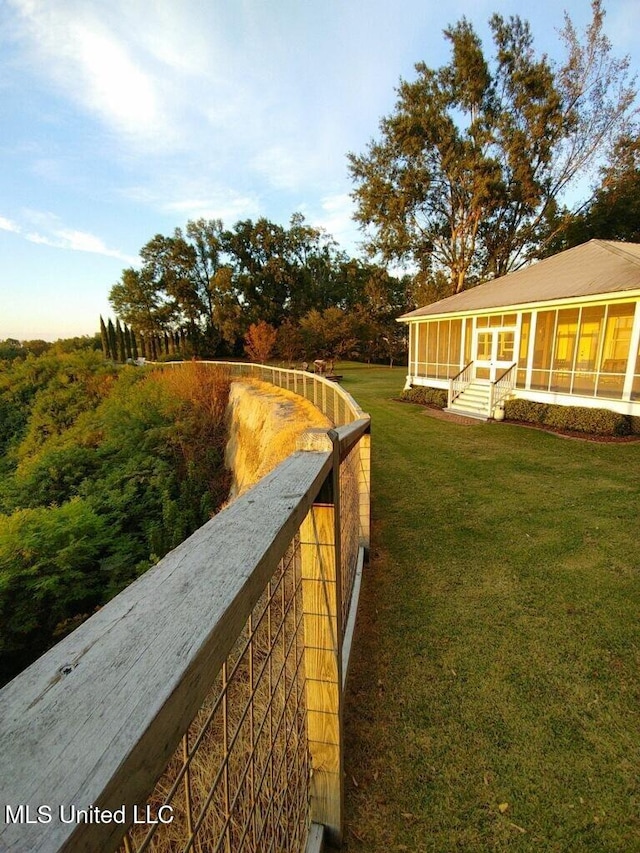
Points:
x=332, y=400
x=201, y=709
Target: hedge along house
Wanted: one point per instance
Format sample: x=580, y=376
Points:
x=565, y=330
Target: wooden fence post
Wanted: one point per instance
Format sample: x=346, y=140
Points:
x=364, y=489
x=323, y=652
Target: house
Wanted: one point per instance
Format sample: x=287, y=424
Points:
x=565, y=330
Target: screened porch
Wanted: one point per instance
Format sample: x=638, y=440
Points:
x=588, y=350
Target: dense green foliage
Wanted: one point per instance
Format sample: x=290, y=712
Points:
x=102, y=471
x=570, y=418
x=435, y=397
x=471, y=166
x=200, y=290
x=11, y=348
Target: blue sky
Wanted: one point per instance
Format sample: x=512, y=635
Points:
x=122, y=119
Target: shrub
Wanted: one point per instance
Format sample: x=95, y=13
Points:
x=49, y=571
x=570, y=418
x=425, y=396
x=525, y=410
x=125, y=469
x=634, y=423
x=593, y=421
x=415, y=394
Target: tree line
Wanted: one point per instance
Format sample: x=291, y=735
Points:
x=199, y=292
x=468, y=180
x=122, y=343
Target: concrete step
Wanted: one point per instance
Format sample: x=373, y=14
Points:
x=465, y=407
x=477, y=389
x=476, y=398
x=467, y=413
x=473, y=402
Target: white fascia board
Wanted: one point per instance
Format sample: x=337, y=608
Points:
x=594, y=298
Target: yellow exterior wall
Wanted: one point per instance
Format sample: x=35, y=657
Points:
x=588, y=350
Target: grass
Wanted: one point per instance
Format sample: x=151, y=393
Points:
x=493, y=698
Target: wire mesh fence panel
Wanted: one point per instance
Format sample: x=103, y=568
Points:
x=328, y=403
x=329, y=397
x=239, y=782
x=349, y=525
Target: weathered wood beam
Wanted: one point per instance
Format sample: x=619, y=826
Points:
x=96, y=719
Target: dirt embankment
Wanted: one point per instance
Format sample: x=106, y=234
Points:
x=265, y=423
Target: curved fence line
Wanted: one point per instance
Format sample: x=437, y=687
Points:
x=201, y=709
x=328, y=396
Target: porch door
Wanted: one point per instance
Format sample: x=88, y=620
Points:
x=494, y=349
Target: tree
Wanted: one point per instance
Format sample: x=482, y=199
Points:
x=113, y=340
x=127, y=342
x=104, y=339
x=138, y=299
x=259, y=341
x=37, y=346
x=289, y=343
x=106, y=470
x=217, y=282
x=264, y=272
x=385, y=297
x=122, y=349
x=329, y=334
x=613, y=213
x=10, y=348
x=471, y=165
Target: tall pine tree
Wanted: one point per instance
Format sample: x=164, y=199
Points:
x=104, y=338
x=122, y=353
x=113, y=341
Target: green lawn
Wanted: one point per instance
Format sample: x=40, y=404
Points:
x=494, y=692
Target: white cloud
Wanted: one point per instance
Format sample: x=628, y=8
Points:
x=9, y=225
x=116, y=86
x=92, y=64
x=195, y=200
x=336, y=217
x=227, y=206
x=49, y=231
x=218, y=83
x=278, y=165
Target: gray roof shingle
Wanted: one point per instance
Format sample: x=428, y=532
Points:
x=599, y=266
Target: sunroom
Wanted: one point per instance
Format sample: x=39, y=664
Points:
x=565, y=330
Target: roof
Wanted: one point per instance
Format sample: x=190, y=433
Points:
x=599, y=266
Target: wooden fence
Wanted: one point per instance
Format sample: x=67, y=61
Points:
x=201, y=709
x=336, y=403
